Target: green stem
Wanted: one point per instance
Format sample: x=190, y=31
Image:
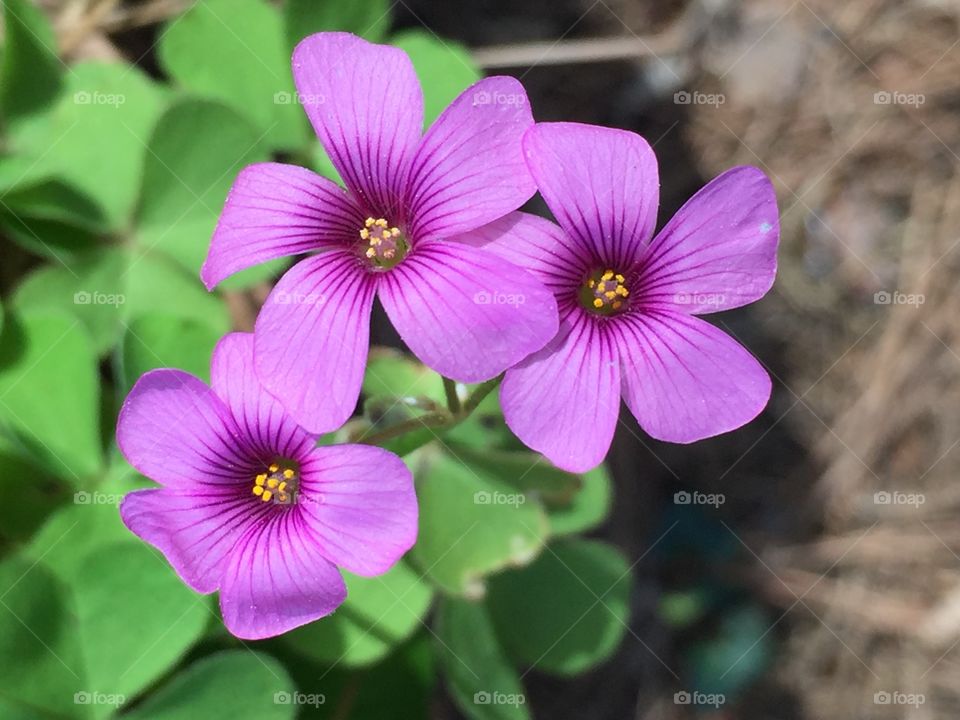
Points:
x=453, y=400
x=440, y=419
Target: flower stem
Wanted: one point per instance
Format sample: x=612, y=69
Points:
x=439, y=419
x=453, y=400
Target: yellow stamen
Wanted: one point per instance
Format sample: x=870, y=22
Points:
x=279, y=483
x=604, y=290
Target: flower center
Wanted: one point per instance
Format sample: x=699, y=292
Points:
x=279, y=484
x=604, y=292
x=383, y=245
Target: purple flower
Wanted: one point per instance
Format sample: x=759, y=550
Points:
x=394, y=233
x=249, y=505
x=628, y=300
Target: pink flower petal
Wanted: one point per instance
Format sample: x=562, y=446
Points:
x=276, y=210
x=277, y=580
x=685, y=380
x=564, y=401
x=360, y=505
x=601, y=184
x=312, y=336
x=194, y=530
x=469, y=169
x=269, y=431
x=465, y=312
x=537, y=245
x=176, y=431
x=365, y=103
x=720, y=250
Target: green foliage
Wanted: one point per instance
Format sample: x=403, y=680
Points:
x=195, y=153
x=369, y=19
x=235, y=51
x=378, y=614
x=472, y=524
x=30, y=71
x=111, y=184
x=475, y=665
x=49, y=393
x=567, y=611
x=94, y=138
x=238, y=685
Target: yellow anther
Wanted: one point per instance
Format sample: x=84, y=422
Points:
x=280, y=483
x=385, y=243
x=604, y=290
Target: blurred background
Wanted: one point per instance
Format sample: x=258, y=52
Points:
x=805, y=566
